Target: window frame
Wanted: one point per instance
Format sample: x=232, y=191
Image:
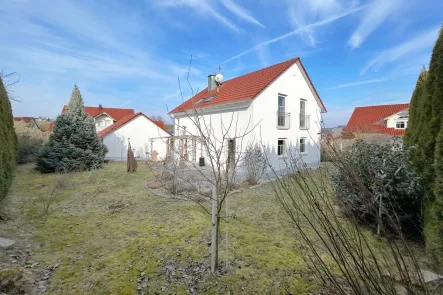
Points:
x=101, y=123
x=305, y=145
x=400, y=122
x=283, y=147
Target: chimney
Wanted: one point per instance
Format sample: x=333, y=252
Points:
x=100, y=107
x=211, y=82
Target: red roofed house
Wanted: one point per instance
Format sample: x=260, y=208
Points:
x=28, y=120
x=104, y=117
x=149, y=139
x=277, y=106
x=389, y=120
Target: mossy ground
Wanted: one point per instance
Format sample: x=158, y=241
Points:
x=103, y=251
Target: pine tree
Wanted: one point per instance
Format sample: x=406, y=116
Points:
x=8, y=142
x=74, y=144
x=76, y=104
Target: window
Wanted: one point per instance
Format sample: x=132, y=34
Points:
x=302, y=107
x=107, y=122
x=304, y=120
x=210, y=98
x=101, y=123
x=303, y=141
x=281, y=146
x=281, y=111
x=400, y=125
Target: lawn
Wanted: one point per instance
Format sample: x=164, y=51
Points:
x=106, y=234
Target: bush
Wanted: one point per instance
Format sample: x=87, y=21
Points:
x=254, y=162
x=373, y=174
x=8, y=142
x=30, y=142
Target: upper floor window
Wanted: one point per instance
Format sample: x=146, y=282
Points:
x=282, y=117
x=107, y=122
x=101, y=123
x=304, y=119
x=400, y=125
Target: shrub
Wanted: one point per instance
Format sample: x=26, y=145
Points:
x=30, y=142
x=374, y=175
x=8, y=142
x=254, y=162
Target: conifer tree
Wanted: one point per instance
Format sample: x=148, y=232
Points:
x=8, y=142
x=76, y=105
x=415, y=114
x=428, y=134
x=434, y=218
x=74, y=144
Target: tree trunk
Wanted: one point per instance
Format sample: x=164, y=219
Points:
x=214, y=234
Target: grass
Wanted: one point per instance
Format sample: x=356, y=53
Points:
x=103, y=251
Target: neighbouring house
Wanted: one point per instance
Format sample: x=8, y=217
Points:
x=104, y=117
x=385, y=120
x=149, y=139
x=278, y=107
x=28, y=120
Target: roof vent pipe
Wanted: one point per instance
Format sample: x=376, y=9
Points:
x=211, y=82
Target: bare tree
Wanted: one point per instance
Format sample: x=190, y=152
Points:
x=9, y=80
x=220, y=141
x=344, y=254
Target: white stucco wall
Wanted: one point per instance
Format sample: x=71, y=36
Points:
x=293, y=85
x=106, y=119
x=262, y=113
x=392, y=121
x=144, y=136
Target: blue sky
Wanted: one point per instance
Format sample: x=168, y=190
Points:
x=130, y=53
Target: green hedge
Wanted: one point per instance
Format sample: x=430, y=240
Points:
x=8, y=142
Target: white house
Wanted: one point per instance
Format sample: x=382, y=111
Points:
x=277, y=107
x=389, y=120
x=149, y=139
x=104, y=117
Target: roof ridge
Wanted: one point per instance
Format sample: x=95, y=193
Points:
x=271, y=66
x=382, y=105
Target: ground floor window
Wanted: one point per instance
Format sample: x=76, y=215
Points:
x=303, y=141
x=281, y=146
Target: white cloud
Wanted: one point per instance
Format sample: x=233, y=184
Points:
x=302, y=12
x=357, y=83
x=419, y=44
x=377, y=13
x=298, y=31
x=241, y=12
x=203, y=8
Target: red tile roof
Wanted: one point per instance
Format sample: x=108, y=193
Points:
x=114, y=113
x=370, y=119
x=245, y=87
x=127, y=119
x=51, y=127
x=24, y=119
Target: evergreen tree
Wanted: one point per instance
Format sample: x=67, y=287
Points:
x=415, y=111
x=434, y=216
x=8, y=142
x=428, y=136
x=74, y=144
x=76, y=105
